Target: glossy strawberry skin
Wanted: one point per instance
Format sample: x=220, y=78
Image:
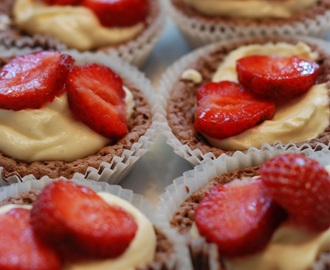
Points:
x=76, y=217
x=225, y=109
x=239, y=218
x=276, y=78
x=119, y=13
x=301, y=186
x=20, y=249
x=30, y=81
x=96, y=97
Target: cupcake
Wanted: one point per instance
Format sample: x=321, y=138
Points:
x=83, y=26
x=287, y=235
x=138, y=243
x=66, y=134
x=209, y=21
x=188, y=93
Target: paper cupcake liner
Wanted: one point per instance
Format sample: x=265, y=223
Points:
x=173, y=74
x=136, y=200
x=201, y=32
x=135, y=51
x=183, y=186
x=120, y=166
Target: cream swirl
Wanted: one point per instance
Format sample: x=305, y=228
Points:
x=253, y=9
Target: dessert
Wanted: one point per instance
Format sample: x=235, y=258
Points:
x=84, y=26
x=203, y=22
x=96, y=124
x=278, y=199
x=191, y=84
x=78, y=237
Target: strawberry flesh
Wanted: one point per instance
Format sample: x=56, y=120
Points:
x=225, y=109
x=20, y=248
x=301, y=186
x=96, y=97
x=275, y=77
x=119, y=13
x=32, y=80
x=239, y=217
x=76, y=217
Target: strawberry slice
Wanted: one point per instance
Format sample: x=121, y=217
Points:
x=275, y=77
x=76, y=216
x=301, y=186
x=226, y=109
x=96, y=97
x=119, y=13
x=20, y=249
x=29, y=81
x=239, y=217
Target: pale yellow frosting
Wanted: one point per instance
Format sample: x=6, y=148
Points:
x=253, y=9
x=50, y=133
x=76, y=26
x=300, y=120
x=140, y=251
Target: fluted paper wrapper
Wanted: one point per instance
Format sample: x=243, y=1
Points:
x=164, y=262
x=173, y=74
x=114, y=171
x=134, y=51
x=200, y=32
x=204, y=255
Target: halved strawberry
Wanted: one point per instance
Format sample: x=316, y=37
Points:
x=29, y=81
x=20, y=248
x=239, y=217
x=226, y=109
x=96, y=97
x=121, y=13
x=74, y=215
x=63, y=2
x=276, y=77
x=301, y=186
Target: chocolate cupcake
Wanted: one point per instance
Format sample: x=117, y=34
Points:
x=132, y=43
x=180, y=205
x=110, y=162
x=163, y=245
x=209, y=21
x=216, y=63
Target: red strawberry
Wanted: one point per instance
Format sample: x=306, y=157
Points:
x=97, y=98
x=226, y=109
x=73, y=215
x=239, y=217
x=121, y=13
x=30, y=81
x=20, y=249
x=275, y=77
x=301, y=186
x=63, y=2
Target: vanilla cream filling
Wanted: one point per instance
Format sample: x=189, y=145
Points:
x=140, y=251
x=76, y=26
x=50, y=133
x=253, y=9
x=301, y=119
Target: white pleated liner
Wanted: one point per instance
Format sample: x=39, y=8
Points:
x=115, y=171
x=194, y=179
x=199, y=32
x=135, y=199
x=173, y=74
